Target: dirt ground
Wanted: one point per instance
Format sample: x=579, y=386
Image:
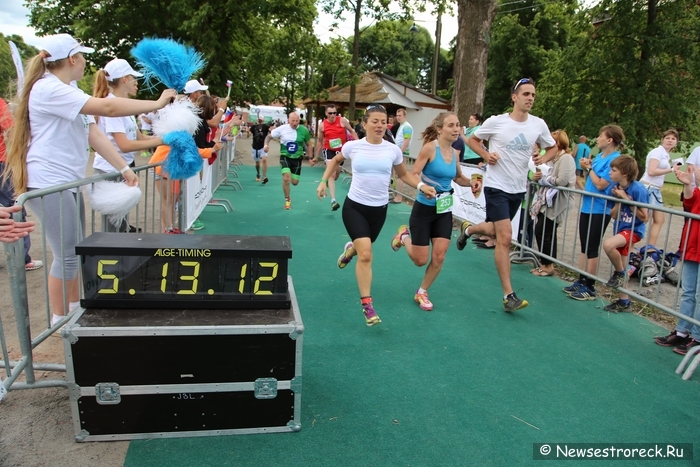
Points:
x=35, y=425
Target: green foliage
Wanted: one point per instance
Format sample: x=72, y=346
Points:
x=8, y=73
x=639, y=68
x=523, y=44
x=260, y=46
x=391, y=47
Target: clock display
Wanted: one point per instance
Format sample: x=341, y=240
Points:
x=184, y=271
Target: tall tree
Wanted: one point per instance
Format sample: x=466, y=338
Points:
x=229, y=34
x=525, y=38
x=474, y=18
x=375, y=9
x=632, y=62
x=392, y=48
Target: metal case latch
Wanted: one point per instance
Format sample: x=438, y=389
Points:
x=107, y=393
x=265, y=388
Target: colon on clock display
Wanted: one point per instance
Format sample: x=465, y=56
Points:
x=219, y=272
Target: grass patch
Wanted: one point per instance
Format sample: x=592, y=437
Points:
x=672, y=195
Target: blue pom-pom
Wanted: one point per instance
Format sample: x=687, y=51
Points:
x=167, y=61
x=184, y=160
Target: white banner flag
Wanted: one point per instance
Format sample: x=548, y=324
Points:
x=18, y=66
x=472, y=206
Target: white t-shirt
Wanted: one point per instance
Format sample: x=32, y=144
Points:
x=664, y=159
x=109, y=125
x=145, y=126
x=371, y=170
x=405, y=132
x=58, y=149
x=694, y=159
x=513, y=142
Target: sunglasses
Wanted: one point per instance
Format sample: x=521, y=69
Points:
x=376, y=107
x=331, y=113
x=77, y=46
x=523, y=81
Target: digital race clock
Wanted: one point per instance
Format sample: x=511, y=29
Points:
x=184, y=271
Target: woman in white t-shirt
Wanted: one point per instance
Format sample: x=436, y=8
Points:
x=657, y=166
x=50, y=146
x=364, y=209
x=118, y=79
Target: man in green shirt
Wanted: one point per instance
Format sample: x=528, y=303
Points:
x=292, y=137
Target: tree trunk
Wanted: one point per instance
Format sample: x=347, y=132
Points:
x=355, y=59
x=474, y=18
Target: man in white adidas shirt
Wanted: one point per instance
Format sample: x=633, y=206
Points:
x=511, y=138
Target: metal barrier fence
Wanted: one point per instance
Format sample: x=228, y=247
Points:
x=163, y=206
x=663, y=296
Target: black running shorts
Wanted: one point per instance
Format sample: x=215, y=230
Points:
x=363, y=221
x=425, y=223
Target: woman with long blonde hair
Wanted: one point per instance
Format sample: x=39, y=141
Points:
x=431, y=218
x=50, y=145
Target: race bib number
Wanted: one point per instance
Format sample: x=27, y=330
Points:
x=292, y=148
x=444, y=202
x=335, y=143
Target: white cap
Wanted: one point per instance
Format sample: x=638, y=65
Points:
x=119, y=68
x=64, y=46
x=193, y=86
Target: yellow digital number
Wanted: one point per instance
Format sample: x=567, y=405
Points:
x=193, y=277
x=101, y=274
x=269, y=278
x=241, y=285
x=164, y=281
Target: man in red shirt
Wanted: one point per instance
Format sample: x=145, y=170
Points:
x=332, y=134
x=6, y=190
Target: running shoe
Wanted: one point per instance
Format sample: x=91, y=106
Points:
x=197, y=225
x=257, y=178
x=396, y=242
x=174, y=230
x=288, y=204
x=371, y=316
x=423, y=300
x=463, y=237
x=616, y=280
x=584, y=293
x=33, y=265
x=683, y=349
x=265, y=180
x=672, y=340
x=573, y=288
x=344, y=260
x=512, y=303
x=335, y=205
x=617, y=306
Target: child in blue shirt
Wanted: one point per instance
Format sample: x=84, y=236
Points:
x=630, y=222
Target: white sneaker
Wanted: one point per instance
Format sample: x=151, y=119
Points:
x=33, y=265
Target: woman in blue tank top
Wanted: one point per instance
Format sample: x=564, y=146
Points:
x=431, y=219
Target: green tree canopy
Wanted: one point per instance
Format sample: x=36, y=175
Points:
x=630, y=62
x=235, y=37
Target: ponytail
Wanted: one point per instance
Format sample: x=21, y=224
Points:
x=431, y=132
x=101, y=87
x=19, y=134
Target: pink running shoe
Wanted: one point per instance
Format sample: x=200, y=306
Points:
x=423, y=300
